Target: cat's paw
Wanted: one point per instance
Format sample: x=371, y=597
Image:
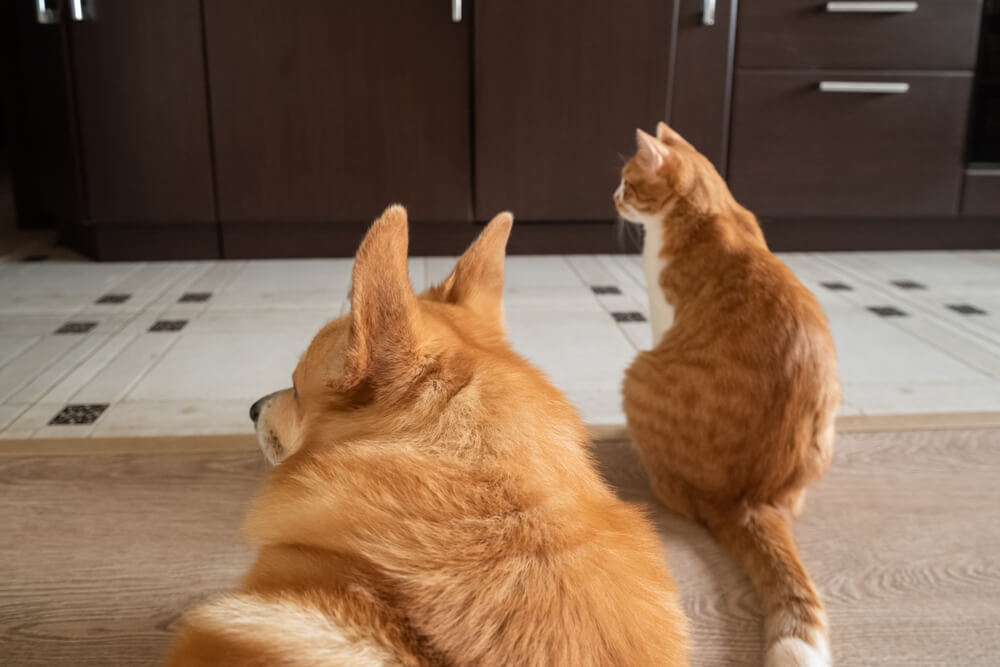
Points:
x=793, y=652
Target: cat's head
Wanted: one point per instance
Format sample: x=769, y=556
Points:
x=665, y=169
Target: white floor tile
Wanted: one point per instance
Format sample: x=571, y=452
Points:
x=623, y=276
x=581, y=349
x=591, y=270
x=639, y=333
x=32, y=420
x=598, y=406
x=539, y=271
x=37, y=324
x=303, y=323
x=59, y=368
x=12, y=346
x=32, y=362
x=554, y=296
x=212, y=367
x=871, y=350
x=8, y=413
x=85, y=372
x=418, y=273
x=909, y=398
x=936, y=270
x=438, y=268
x=174, y=418
x=114, y=380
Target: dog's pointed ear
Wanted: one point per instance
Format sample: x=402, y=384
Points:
x=477, y=279
x=383, y=305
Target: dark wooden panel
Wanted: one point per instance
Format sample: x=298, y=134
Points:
x=702, y=78
x=981, y=196
x=941, y=34
x=150, y=241
x=141, y=112
x=794, y=235
x=312, y=239
x=560, y=88
x=329, y=111
x=799, y=152
x=37, y=100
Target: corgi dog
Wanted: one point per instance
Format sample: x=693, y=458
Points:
x=433, y=500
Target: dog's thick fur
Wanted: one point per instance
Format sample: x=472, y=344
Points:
x=435, y=503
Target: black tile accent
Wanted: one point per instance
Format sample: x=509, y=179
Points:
x=195, y=297
x=76, y=327
x=114, y=298
x=908, y=284
x=837, y=287
x=168, y=325
x=630, y=316
x=887, y=311
x=605, y=289
x=966, y=309
x=80, y=413
x=34, y=258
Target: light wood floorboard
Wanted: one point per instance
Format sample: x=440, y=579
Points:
x=100, y=553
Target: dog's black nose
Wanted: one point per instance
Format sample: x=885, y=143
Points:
x=255, y=410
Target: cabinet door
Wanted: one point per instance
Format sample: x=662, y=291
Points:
x=702, y=77
x=560, y=87
x=328, y=111
x=142, y=117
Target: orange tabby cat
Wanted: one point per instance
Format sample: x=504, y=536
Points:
x=733, y=409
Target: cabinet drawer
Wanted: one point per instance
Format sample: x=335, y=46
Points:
x=797, y=151
x=936, y=34
x=981, y=197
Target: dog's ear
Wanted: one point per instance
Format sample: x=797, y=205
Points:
x=383, y=305
x=477, y=279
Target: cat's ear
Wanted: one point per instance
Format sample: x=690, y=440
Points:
x=652, y=152
x=477, y=279
x=669, y=135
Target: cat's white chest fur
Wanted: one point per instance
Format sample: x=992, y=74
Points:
x=661, y=313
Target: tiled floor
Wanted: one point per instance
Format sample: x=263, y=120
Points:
x=183, y=348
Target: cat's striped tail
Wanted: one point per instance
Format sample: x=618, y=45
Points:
x=795, y=622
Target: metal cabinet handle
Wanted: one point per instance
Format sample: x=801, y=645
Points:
x=708, y=12
x=44, y=14
x=81, y=10
x=456, y=11
x=871, y=7
x=877, y=87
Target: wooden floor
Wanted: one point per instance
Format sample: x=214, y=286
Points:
x=100, y=553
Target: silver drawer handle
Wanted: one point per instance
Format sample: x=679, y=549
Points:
x=708, y=12
x=871, y=7
x=456, y=11
x=879, y=87
x=43, y=14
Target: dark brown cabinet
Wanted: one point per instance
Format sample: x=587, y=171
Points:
x=256, y=128
x=141, y=113
x=844, y=144
x=325, y=112
x=559, y=88
x=930, y=34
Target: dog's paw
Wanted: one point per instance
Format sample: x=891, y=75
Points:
x=793, y=652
